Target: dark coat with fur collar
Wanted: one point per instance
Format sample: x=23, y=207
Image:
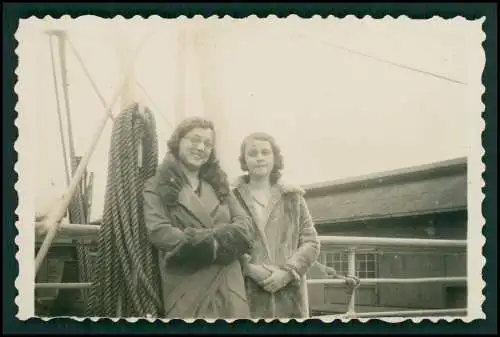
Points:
x=200, y=278
x=286, y=238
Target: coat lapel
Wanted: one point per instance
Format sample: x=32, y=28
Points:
x=276, y=193
x=246, y=197
x=182, y=200
x=247, y=200
x=189, y=200
x=209, y=199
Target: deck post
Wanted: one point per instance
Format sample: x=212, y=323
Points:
x=351, y=309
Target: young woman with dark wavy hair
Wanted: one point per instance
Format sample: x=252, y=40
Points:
x=198, y=228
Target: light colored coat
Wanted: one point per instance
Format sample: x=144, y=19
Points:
x=287, y=239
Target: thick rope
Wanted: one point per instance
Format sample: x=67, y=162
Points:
x=126, y=266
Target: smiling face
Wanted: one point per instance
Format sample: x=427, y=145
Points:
x=195, y=148
x=259, y=158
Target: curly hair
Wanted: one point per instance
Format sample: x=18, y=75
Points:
x=211, y=171
x=278, y=157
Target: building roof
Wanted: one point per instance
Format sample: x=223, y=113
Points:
x=431, y=188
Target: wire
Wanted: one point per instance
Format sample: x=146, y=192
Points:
x=382, y=60
x=375, y=58
x=155, y=106
x=87, y=73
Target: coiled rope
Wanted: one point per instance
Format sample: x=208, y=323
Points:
x=126, y=282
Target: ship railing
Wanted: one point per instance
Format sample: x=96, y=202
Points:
x=89, y=233
x=354, y=243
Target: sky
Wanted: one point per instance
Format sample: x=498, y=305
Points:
x=341, y=97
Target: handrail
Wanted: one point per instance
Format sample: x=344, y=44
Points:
x=400, y=313
x=351, y=241
x=79, y=231
x=373, y=281
x=58, y=285
x=354, y=241
x=71, y=231
x=367, y=281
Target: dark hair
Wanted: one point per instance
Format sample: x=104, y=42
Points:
x=278, y=157
x=211, y=171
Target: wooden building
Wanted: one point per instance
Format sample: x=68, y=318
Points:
x=427, y=202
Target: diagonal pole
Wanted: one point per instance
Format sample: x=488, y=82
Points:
x=52, y=222
x=59, y=113
x=62, y=38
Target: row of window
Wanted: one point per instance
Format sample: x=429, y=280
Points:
x=366, y=263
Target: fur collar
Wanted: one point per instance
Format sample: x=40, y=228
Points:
x=282, y=186
x=171, y=178
x=170, y=171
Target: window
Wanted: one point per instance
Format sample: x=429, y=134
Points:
x=338, y=261
x=366, y=266
x=366, y=263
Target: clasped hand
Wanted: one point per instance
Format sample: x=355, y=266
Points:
x=271, y=278
x=351, y=281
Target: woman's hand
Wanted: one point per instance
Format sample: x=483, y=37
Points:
x=352, y=282
x=232, y=242
x=257, y=273
x=278, y=280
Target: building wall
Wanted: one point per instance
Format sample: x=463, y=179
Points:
x=451, y=225
x=389, y=262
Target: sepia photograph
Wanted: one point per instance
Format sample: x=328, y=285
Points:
x=257, y=168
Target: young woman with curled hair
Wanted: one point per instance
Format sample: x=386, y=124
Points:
x=198, y=228
x=286, y=244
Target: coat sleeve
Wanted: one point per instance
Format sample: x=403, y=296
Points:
x=235, y=238
x=188, y=248
x=308, y=246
